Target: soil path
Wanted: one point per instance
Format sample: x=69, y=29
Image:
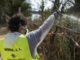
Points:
x=3, y=31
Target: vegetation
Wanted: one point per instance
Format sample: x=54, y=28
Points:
x=59, y=43
x=10, y=7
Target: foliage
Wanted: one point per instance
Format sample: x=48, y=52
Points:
x=42, y=6
x=47, y=12
x=10, y=7
x=42, y=9
x=62, y=48
x=26, y=9
x=13, y=6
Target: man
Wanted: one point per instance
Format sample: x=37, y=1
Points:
x=17, y=46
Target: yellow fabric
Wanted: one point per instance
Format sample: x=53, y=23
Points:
x=18, y=51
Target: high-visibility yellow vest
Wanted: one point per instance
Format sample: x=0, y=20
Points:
x=18, y=51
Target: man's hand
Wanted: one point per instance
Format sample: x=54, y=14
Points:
x=57, y=13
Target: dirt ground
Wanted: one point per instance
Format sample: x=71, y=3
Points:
x=3, y=31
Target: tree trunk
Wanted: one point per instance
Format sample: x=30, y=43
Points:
x=77, y=2
x=56, y=5
x=77, y=5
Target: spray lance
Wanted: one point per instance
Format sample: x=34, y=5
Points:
x=61, y=7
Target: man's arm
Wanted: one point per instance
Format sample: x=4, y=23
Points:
x=37, y=36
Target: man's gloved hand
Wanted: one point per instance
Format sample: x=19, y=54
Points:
x=57, y=13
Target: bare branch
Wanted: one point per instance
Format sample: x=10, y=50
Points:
x=68, y=30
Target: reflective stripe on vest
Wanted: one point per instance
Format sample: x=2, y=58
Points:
x=18, y=51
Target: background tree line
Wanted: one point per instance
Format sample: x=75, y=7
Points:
x=10, y=7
